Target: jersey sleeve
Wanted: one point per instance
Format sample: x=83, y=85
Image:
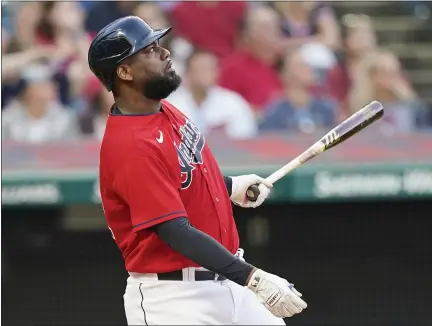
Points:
x=150, y=192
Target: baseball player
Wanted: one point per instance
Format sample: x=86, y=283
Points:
x=166, y=201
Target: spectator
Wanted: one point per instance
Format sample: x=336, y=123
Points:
x=359, y=39
x=14, y=62
x=27, y=16
x=93, y=121
x=250, y=71
x=105, y=12
x=62, y=25
x=209, y=25
x=380, y=78
x=312, y=24
x=298, y=109
x=36, y=116
x=210, y=106
x=308, y=22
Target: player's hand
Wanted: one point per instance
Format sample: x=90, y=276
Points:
x=276, y=294
x=241, y=183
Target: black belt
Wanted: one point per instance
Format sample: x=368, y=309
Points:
x=199, y=276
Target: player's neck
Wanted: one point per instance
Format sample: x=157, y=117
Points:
x=137, y=104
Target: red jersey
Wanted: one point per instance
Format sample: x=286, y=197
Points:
x=256, y=81
x=154, y=168
x=195, y=21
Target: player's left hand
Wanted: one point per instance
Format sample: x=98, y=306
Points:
x=241, y=183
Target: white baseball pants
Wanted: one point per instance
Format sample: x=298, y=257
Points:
x=151, y=302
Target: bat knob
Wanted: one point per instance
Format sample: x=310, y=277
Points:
x=252, y=193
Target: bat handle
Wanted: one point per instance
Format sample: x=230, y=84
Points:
x=252, y=193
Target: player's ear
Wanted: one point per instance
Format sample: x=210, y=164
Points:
x=124, y=72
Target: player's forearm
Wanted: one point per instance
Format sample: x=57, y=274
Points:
x=203, y=250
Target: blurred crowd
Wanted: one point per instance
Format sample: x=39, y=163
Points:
x=248, y=67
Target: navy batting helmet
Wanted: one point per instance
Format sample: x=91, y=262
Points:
x=117, y=41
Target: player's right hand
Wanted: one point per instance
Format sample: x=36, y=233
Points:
x=276, y=294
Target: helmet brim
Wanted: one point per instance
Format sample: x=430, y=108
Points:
x=159, y=33
x=153, y=37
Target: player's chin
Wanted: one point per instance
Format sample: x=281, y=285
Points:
x=173, y=78
x=171, y=73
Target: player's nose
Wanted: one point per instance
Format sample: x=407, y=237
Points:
x=165, y=54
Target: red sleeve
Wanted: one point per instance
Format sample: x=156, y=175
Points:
x=152, y=195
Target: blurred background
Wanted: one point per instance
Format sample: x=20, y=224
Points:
x=262, y=80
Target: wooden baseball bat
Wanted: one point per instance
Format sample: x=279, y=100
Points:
x=352, y=125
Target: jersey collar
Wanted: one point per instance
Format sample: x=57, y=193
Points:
x=116, y=111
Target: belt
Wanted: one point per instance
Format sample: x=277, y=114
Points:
x=199, y=276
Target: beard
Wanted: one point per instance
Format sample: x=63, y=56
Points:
x=160, y=87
